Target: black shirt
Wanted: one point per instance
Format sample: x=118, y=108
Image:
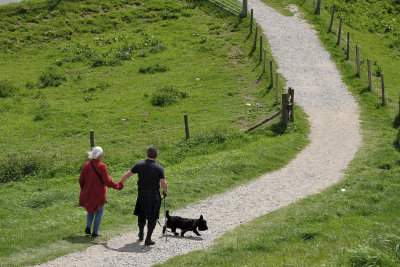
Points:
x=150, y=173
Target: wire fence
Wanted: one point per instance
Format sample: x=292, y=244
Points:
x=354, y=55
x=172, y=132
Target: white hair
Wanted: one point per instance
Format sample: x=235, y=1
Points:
x=95, y=153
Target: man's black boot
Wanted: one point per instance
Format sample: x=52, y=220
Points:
x=141, y=235
x=150, y=227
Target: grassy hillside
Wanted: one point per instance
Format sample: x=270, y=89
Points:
x=128, y=70
x=354, y=223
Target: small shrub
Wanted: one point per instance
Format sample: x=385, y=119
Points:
x=6, y=89
x=166, y=96
x=153, y=45
x=308, y=236
x=51, y=78
x=98, y=60
x=43, y=111
x=153, y=69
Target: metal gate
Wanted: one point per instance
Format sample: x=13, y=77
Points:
x=233, y=6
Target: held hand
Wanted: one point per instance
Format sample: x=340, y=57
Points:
x=164, y=193
x=121, y=186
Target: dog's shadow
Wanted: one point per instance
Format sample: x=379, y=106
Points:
x=194, y=238
x=135, y=247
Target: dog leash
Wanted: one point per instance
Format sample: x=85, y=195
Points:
x=165, y=218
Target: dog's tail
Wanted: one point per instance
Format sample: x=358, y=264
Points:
x=167, y=213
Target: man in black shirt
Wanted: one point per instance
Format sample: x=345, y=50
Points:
x=151, y=175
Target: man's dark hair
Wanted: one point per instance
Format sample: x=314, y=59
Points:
x=152, y=152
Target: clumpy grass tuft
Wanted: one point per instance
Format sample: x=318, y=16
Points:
x=365, y=256
x=51, y=77
x=153, y=69
x=6, y=89
x=167, y=95
x=17, y=167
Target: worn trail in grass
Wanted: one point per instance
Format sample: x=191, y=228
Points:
x=335, y=137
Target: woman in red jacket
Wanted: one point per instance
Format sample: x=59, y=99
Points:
x=93, y=181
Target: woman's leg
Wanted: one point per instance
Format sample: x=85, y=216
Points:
x=89, y=220
x=98, y=215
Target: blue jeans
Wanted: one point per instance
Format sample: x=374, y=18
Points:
x=97, y=215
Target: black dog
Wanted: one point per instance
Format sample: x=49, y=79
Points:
x=174, y=222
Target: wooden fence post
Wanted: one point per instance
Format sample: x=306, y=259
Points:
x=340, y=31
x=332, y=16
x=271, y=73
x=383, y=90
x=255, y=39
x=348, y=47
x=244, y=9
x=251, y=20
x=291, y=96
x=318, y=7
x=285, y=113
x=369, y=75
x=265, y=60
x=91, y=139
x=358, y=61
x=277, y=87
x=261, y=47
x=186, y=126
x=399, y=105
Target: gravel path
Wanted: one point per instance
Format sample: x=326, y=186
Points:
x=5, y=2
x=335, y=138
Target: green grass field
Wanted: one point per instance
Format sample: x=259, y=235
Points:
x=354, y=223
x=129, y=70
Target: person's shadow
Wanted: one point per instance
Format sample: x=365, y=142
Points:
x=135, y=247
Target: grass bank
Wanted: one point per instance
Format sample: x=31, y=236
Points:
x=355, y=222
x=128, y=70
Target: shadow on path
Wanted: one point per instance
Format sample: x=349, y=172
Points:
x=135, y=247
x=73, y=239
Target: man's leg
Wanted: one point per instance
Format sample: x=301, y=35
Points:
x=150, y=227
x=141, y=224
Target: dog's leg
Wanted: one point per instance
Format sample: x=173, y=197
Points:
x=196, y=232
x=183, y=233
x=164, y=229
x=174, y=231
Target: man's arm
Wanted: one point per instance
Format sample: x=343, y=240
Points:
x=164, y=186
x=126, y=176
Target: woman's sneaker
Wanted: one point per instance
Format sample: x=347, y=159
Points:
x=87, y=231
x=96, y=235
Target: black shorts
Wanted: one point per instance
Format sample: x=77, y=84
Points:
x=148, y=205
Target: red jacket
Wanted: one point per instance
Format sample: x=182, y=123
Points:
x=93, y=191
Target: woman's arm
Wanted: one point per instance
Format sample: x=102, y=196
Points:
x=109, y=182
x=82, y=177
